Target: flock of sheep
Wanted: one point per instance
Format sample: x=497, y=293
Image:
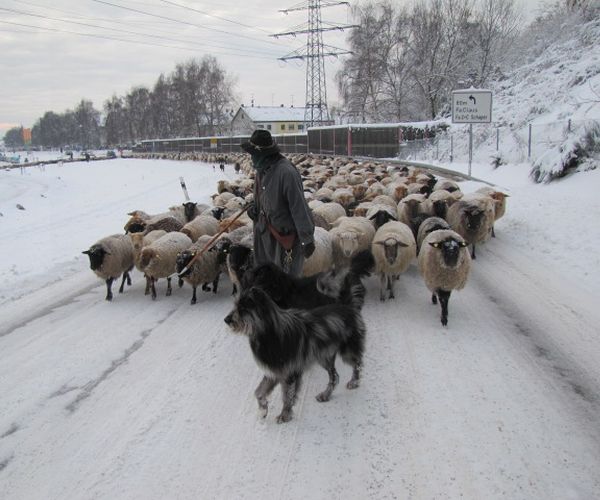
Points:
x=400, y=213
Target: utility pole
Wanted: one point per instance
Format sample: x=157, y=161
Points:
x=316, y=112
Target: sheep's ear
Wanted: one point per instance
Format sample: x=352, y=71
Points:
x=435, y=245
x=382, y=243
x=87, y=252
x=401, y=244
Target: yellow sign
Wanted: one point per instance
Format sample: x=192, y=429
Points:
x=213, y=143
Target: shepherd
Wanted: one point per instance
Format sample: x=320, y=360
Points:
x=283, y=224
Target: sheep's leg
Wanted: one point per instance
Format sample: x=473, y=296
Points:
x=128, y=277
x=125, y=276
x=180, y=282
x=234, y=289
x=205, y=287
x=382, y=286
x=153, y=287
x=147, y=290
x=193, y=296
x=444, y=298
x=263, y=390
x=473, y=252
x=109, y=294
x=329, y=365
x=169, y=289
x=216, y=283
x=391, y=287
x=493, y=232
x=433, y=298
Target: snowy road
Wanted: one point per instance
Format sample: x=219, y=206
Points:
x=137, y=399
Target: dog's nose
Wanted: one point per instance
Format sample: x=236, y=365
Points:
x=228, y=319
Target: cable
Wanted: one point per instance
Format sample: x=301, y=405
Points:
x=104, y=37
x=130, y=32
x=184, y=22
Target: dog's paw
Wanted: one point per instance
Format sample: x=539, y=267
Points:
x=353, y=384
x=323, y=397
x=284, y=417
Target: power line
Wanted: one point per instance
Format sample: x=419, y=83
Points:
x=105, y=37
x=213, y=15
x=229, y=33
x=127, y=31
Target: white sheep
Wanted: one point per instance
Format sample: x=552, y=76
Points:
x=394, y=248
x=322, y=258
x=139, y=241
x=446, y=185
x=159, y=258
x=427, y=226
x=499, y=198
x=205, y=268
x=350, y=236
x=331, y=212
x=109, y=258
x=444, y=263
x=201, y=225
x=472, y=217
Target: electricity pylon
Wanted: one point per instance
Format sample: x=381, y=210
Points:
x=316, y=112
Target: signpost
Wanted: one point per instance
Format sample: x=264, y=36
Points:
x=471, y=106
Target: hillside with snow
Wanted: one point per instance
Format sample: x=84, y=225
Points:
x=557, y=92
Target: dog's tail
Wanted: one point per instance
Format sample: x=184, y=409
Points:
x=352, y=291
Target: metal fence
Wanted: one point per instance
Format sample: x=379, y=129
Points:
x=426, y=141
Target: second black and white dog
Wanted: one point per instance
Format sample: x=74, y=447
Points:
x=285, y=342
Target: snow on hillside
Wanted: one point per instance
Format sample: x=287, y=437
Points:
x=561, y=84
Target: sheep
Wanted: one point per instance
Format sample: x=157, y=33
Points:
x=221, y=199
x=499, y=202
x=427, y=226
x=394, y=248
x=205, y=268
x=331, y=212
x=440, y=200
x=166, y=223
x=397, y=190
x=200, y=226
x=139, y=241
x=344, y=197
x=159, y=258
x=472, y=217
x=109, y=258
x=381, y=214
x=446, y=185
x=444, y=262
x=411, y=206
x=322, y=258
x=350, y=236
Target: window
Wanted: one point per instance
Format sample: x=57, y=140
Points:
x=291, y=127
x=260, y=126
x=269, y=126
x=282, y=126
x=300, y=127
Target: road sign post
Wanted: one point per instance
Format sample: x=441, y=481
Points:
x=471, y=106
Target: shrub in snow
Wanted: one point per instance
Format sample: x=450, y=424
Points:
x=575, y=151
x=496, y=160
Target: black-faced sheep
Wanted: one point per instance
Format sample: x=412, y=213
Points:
x=429, y=225
x=472, y=217
x=394, y=248
x=444, y=263
x=110, y=258
x=205, y=268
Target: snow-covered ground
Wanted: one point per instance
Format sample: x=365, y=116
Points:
x=136, y=399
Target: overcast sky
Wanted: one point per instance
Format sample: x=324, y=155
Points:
x=53, y=53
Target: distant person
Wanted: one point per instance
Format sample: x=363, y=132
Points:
x=236, y=167
x=283, y=225
x=222, y=167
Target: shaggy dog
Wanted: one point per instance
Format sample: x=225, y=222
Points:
x=312, y=291
x=285, y=342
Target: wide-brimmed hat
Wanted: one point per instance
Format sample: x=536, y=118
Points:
x=260, y=141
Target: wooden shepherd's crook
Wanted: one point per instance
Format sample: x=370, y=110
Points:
x=210, y=243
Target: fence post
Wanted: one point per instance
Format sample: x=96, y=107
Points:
x=529, y=144
x=451, y=148
x=497, y=138
x=470, y=147
x=569, y=126
x=349, y=141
